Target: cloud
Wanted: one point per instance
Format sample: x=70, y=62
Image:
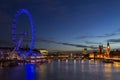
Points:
x=114, y=33
x=93, y=47
x=107, y=35
x=84, y=37
x=76, y=45
x=113, y=40
x=118, y=30
x=90, y=42
x=99, y=36
x=67, y=44
x=48, y=41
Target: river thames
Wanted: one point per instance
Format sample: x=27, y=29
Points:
x=63, y=70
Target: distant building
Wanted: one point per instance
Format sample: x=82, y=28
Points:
x=85, y=51
x=91, y=55
x=44, y=52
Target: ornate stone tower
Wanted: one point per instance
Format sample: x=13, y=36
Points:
x=100, y=48
x=108, y=49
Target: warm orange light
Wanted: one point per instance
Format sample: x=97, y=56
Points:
x=91, y=55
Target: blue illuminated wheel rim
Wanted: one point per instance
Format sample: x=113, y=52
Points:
x=19, y=12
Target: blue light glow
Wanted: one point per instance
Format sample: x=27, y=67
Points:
x=30, y=72
x=32, y=28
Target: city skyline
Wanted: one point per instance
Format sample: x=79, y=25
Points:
x=64, y=25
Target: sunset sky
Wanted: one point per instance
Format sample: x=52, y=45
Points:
x=64, y=25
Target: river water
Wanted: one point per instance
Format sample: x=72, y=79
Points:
x=63, y=70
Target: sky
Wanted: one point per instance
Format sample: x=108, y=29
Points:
x=63, y=25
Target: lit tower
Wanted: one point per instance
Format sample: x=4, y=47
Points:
x=108, y=49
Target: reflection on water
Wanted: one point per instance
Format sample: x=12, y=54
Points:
x=68, y=69
x=30, y=72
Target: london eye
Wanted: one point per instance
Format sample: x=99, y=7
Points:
x=19, y=33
